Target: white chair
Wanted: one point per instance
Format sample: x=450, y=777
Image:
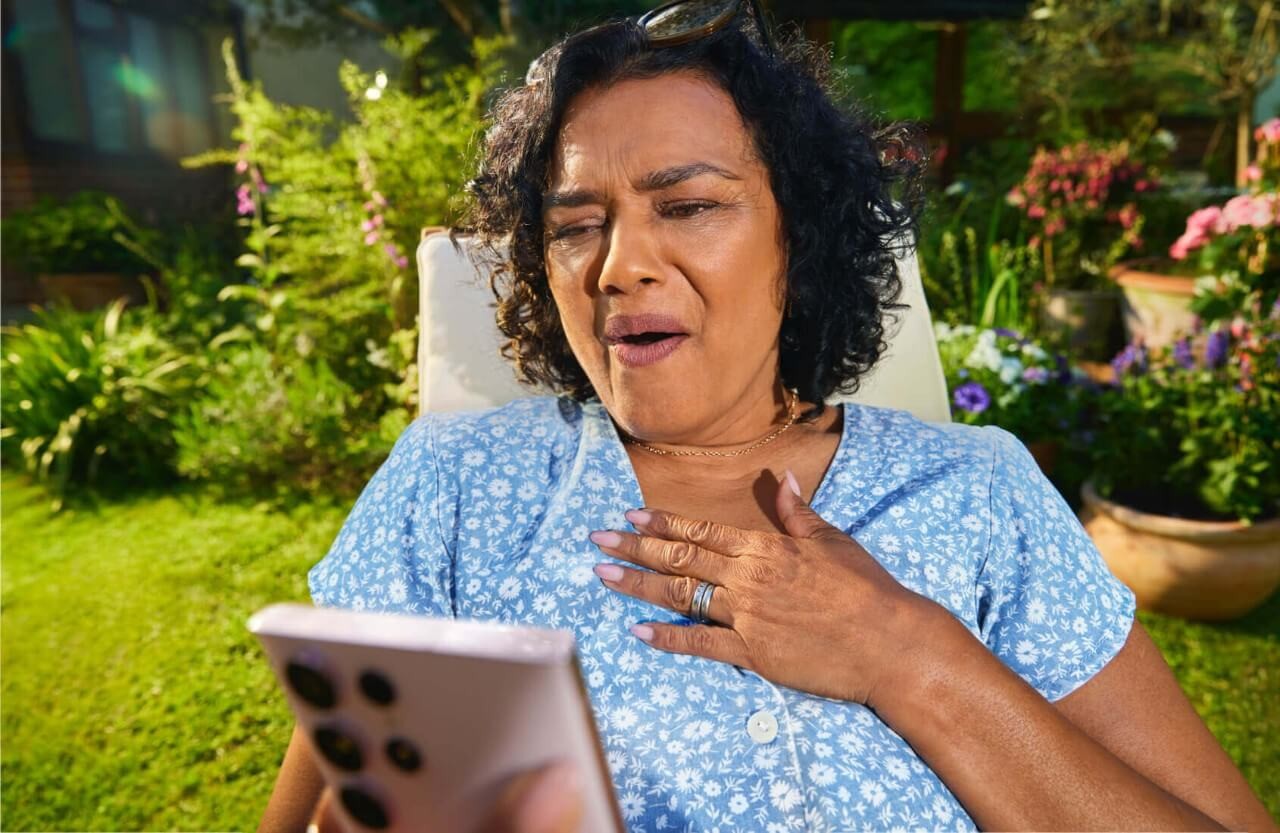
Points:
x=460, y=367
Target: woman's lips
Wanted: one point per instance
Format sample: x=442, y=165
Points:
x=641, y=355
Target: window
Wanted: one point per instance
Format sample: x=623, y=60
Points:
x=115, y=79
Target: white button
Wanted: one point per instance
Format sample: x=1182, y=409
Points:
x=762, y=726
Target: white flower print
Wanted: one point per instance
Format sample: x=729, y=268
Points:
x=398, y=590
x=711, y=789
x=1080, y=626
x=822, y=750
x=688, y=779
x=872, y=791
x=581, y=575
x=472, y=458
x=629, y=661
x=1026, y=652
x=693, y=694
x=766, y=757
x=738, y=803
x=632, y=805
x=510, y=587
x=824, y=775
x=698, y=729
x=1037, y=612
x=897, y=768
x=623, y=718
x=499, y=488
x=662, y=695
x=595, y=679
x=544, y=603
x=784, y=795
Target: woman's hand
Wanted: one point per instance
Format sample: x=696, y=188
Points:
x=810, y=609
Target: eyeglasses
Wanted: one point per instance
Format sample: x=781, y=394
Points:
x=683, y=21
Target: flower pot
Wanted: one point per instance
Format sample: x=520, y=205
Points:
x=1085, y=319
x=90, y=290
x=1156, y=306
x=1207, y=570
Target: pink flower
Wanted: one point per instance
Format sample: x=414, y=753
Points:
x=244, y=200
x=1268, y=131
x=1054, y=226
x=367, y=225
x=1035, y=212
x=1190, y=240
x=242, y=166
x=1252, y=173
x=402, y=262
x=392, y=250
x=1205, y=220
x=371, y=238
x=1247, y=210
x=378, y=198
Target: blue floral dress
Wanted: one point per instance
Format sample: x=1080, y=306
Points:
x=485, y=515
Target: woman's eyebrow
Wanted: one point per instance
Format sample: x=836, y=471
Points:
x=652, y=181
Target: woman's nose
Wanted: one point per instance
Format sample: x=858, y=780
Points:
x=632, y=259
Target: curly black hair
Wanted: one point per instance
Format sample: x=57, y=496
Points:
x=848, y=190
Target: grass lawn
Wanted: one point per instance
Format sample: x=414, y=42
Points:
x=134, y=698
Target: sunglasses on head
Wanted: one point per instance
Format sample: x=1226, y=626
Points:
x=685, y=21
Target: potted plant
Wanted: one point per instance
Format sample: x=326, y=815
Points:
x=997, y=377
x=1184, y=501
x=1225, y=252
x=73, y=249
x=1081, y=203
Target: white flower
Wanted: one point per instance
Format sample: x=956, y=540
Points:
x=617, y=761
x=688, y=779
x=499, y=488
x=784, y=796
x=398, y=590
x=623, y=718
x=1026, y=652
x=897, y=768
x=738, y=803
x=1079, y=626
x=1036, y=612
x=873, y=792
x=663, y=695
x=596, y=678
x=693, y=694
x=1010, y=370
x=632, y=806
x=595, y=480
x=581, y=575
x=931, y=573
x=698, y=729
x=822, y=750
x=629, y=661
x=544, y=603
x=510, y=587
x=824, y=775
x=472, y=457
x=766, y=757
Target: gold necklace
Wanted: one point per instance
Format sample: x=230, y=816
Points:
x=791, y=419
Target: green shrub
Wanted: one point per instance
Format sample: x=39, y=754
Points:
x=78, y=235
x=264, y=425
x=89, y=394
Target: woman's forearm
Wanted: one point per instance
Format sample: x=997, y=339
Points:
x=1010, y=757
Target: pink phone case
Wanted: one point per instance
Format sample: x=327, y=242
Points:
x=418, y=722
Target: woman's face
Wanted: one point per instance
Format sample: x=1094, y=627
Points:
x=658, y=206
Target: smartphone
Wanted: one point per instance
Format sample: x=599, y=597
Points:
x=417, y=723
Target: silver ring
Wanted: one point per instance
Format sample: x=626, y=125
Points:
x=701, y=607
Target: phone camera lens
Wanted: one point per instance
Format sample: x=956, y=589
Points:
x=339, y=748
x=377, y=688
x=310, y=683
x=404, y=754
x=364, y=808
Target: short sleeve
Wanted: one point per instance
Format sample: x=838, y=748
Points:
x=1048, y=605
x=392, y=553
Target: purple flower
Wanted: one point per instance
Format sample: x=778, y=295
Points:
x=1182, y=354
x=1006, y=333
x=1064, y=369
x=1132, y=359
x=972, y=397
x=1035, y=375
x=1215, y=349
x=244, y=200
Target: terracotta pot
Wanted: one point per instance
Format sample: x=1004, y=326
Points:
x=1208, y=570
x=91, y=290
x=1156, y=307
x=1087, y=319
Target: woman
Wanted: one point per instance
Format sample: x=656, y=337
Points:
x=700, y=254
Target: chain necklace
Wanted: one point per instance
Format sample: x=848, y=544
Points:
x=791, y=419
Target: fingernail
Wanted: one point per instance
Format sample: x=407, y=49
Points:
x=639, y=517
x=791, y=481
x=642, y=632
x=549, y=800
x=608, y=572
x=607, y=538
